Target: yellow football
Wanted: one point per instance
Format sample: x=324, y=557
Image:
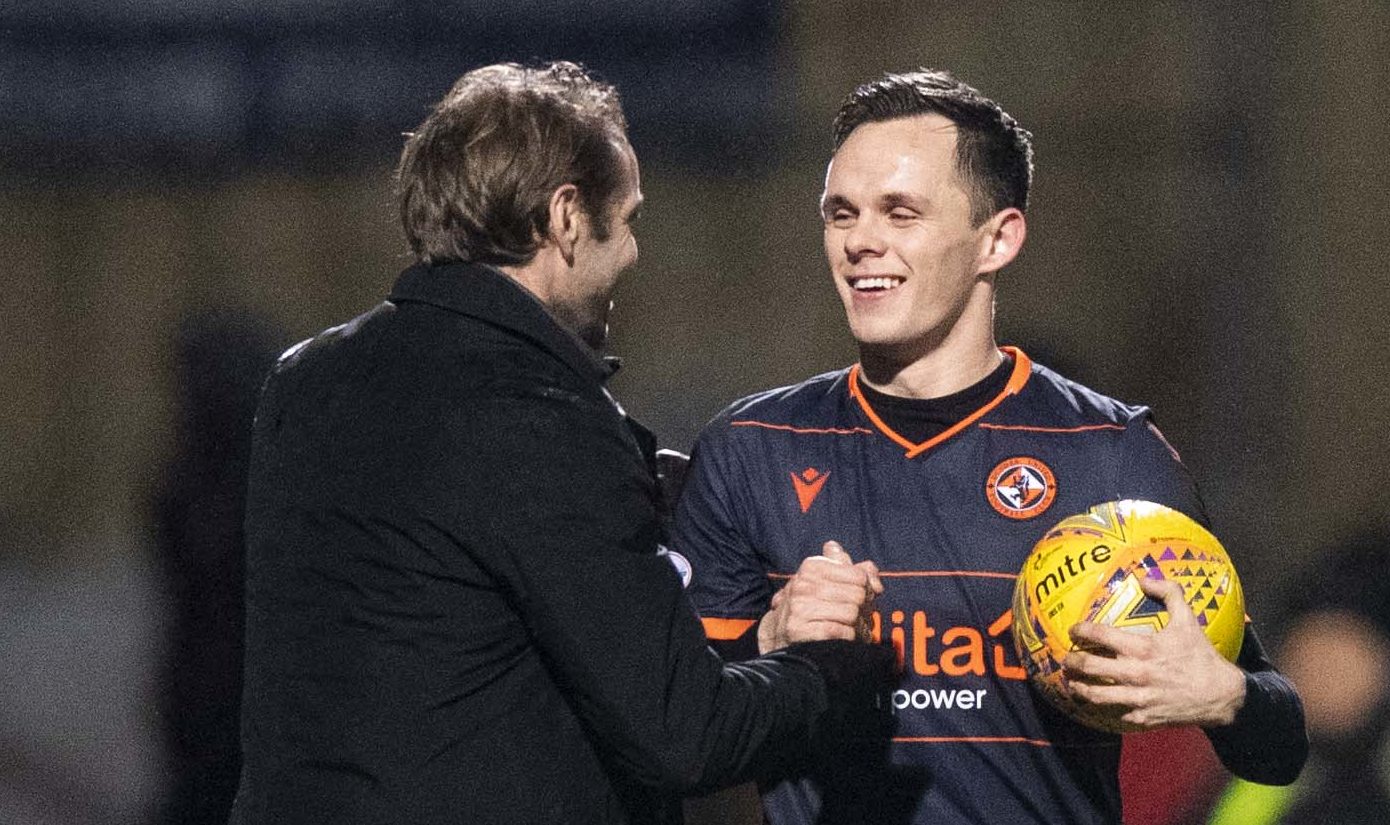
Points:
x=1088, y=568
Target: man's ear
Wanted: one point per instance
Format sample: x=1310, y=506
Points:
x=565, y=216
x=1005, y=233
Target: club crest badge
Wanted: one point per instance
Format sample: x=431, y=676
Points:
x=1021, y=487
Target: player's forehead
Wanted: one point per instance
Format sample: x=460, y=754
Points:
x=910, y=154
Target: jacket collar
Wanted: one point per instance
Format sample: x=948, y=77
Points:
x=487, y=294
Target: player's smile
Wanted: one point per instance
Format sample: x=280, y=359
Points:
x=874, y=283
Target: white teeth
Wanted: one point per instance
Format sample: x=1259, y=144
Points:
x=866, y=284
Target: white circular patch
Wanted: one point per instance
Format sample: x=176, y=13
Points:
x=682, y=565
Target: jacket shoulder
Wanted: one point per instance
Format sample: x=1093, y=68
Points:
x=422, y=350
x=323, y=344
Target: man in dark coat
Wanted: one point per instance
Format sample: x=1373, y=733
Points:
x=456, y=607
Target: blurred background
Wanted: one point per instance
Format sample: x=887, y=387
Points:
x=188, y=186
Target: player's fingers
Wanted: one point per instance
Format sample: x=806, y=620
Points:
x=1092, y=635
x=815, y=612
x=820, y=568
x=1109, y=695
x=810, y=592
x=829, y=630
x=875, y=581
x=834, y=551
x=1097, y=668
x=1146, y=718
x=818, y=630
x=1171, y=594
x=806, y=593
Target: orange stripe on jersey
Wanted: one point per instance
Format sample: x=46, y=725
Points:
x=1081, y=429
x=726, y=629
x=907, y=574
x=1023, y=367
x=748, y=422
x=1007, y=740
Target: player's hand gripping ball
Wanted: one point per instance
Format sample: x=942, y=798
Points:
x=1088, y=568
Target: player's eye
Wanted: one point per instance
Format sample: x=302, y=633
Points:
x=840, y=217
x=901, y=215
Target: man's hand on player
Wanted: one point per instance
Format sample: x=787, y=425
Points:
x=829, y=598
x=1172, y=677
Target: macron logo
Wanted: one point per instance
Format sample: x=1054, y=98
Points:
x=808, y=484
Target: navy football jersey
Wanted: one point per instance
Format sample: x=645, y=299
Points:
x=949, y=522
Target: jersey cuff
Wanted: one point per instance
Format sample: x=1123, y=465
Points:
x=735, y=640
x=724, y=630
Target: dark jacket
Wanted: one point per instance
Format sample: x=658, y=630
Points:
x=455, y=611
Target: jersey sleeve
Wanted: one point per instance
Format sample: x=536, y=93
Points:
x=729, y=586
x=1267, y=742
x=1148, y=468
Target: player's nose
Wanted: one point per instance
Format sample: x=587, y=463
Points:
x=864, y=238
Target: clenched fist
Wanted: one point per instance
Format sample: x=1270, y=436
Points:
x=829, y=598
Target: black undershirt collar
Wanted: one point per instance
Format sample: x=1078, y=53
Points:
x=921, y=419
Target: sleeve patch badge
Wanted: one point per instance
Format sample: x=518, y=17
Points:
x=681, y=563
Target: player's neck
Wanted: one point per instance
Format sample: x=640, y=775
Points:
x=937, y=372
x=539, y=275
x=542, y=277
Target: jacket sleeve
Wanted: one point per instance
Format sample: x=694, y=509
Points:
x=556, y=502
x=1267, y=742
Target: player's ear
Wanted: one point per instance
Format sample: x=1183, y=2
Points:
x=565, y=215
x=1001, y=239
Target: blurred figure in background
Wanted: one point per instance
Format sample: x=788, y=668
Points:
x=222, y=358
x=1337, y=651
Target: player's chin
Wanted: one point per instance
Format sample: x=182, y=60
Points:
x=877, y=332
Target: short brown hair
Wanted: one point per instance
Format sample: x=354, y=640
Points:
x=994, y=155
x=475, y=178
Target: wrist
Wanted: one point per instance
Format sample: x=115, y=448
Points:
x=1233, y=697
x=767, y=636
